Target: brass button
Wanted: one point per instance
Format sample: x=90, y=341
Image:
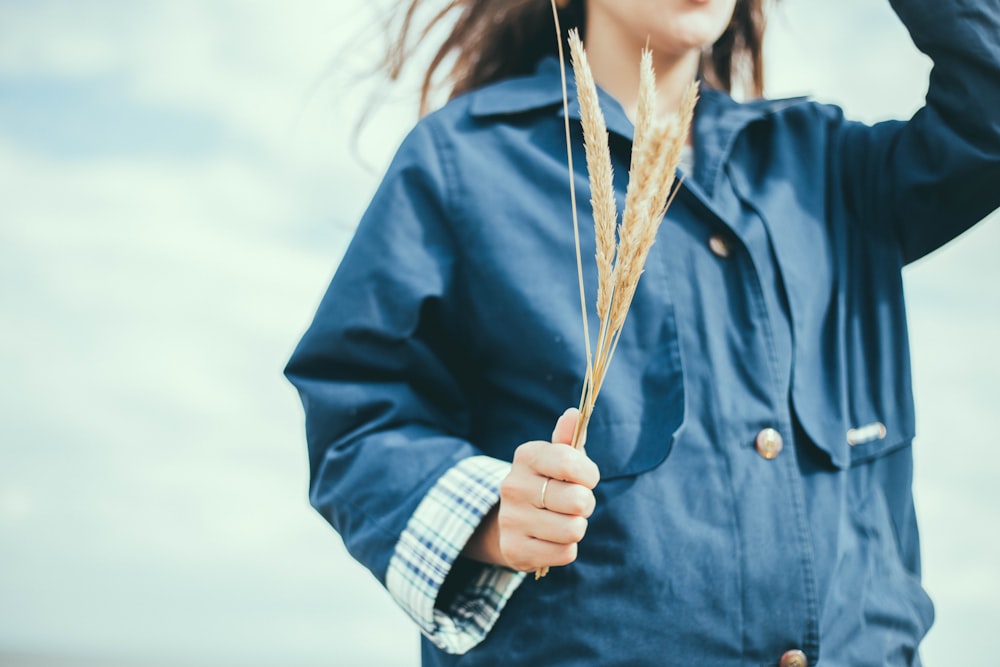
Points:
x=769, y=443
x=718, y=245
x=793, y=658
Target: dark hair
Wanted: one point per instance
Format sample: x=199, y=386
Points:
x=496, y=39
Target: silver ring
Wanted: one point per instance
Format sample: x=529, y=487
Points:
x=545, y=487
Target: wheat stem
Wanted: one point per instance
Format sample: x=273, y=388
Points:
x=541, y=572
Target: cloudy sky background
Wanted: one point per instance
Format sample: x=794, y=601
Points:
x=176, y=187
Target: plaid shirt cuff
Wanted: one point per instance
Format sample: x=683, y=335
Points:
x=434, y=536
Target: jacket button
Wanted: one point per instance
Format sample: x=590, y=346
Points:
x=718, y=245
x=793, y=658
x=769, y=444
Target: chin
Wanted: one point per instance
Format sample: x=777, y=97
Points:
x=703, y=23
x=673, y=26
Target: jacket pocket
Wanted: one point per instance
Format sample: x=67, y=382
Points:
x=882, y=605
x=851, y=389
x=641, y=406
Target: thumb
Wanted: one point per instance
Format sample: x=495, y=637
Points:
x=563, y=433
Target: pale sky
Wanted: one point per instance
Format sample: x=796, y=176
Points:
x=177, y=186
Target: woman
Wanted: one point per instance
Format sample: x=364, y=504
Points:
x=752, y=440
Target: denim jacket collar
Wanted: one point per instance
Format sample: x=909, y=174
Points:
x=718, y=117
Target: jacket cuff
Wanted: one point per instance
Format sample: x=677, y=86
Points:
x=433, y=538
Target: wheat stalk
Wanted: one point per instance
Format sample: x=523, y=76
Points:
x=656, y=153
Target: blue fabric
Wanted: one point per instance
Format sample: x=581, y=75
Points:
x=452, y=329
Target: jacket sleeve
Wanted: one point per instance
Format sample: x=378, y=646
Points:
x=380, y=375
x=927, y=180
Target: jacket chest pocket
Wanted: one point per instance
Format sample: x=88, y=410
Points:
x=851, y=388
x=530, y=375
x=641, y=405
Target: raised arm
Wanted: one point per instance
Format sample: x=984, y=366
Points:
x=929, y=179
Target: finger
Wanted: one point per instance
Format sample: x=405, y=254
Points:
x=524, y=488
x=527, y=554
x=563, y=463
x=569, y=499
x=542, y=524
x=565, y=426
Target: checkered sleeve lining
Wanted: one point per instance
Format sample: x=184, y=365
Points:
x=434, y=536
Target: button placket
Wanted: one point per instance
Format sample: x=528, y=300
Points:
x=739, y=251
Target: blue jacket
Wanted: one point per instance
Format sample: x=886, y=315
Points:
x=772, y=299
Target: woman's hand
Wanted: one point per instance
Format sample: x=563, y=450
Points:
x=545, y=502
